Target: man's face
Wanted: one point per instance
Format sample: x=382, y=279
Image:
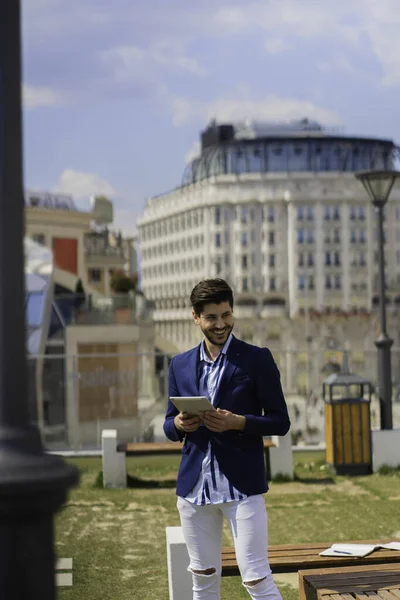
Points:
x=216, y=322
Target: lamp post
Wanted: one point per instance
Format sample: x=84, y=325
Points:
x=378, y=185
x=33, y=484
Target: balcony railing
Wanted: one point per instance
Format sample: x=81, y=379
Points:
x=81, y=309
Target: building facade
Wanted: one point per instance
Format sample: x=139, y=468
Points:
x=278, y=213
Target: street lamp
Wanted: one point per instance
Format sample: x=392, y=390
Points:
x=379, y=184
x=33, y=484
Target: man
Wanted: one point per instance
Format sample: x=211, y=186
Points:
x=222, y=471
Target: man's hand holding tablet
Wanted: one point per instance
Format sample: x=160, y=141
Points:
x=191, y=408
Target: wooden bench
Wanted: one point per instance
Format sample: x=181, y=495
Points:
x=114, y=456
x=164, y=448
x=289, y=558
x=381, y=582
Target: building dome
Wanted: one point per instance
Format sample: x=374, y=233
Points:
x=302, y=146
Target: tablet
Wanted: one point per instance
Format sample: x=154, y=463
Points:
x=193, y=405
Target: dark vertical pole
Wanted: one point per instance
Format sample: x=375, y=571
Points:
x=33, y=485
x=383, y=343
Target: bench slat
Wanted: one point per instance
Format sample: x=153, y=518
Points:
x=149, y=448
x=306, y=556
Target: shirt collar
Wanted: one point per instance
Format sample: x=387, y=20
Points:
x=203, y=353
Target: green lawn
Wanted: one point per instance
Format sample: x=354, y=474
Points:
x=117, y=537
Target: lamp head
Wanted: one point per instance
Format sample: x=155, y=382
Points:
x=378, y=184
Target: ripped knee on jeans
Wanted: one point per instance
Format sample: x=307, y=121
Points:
x=253, y=583
x=210, y=571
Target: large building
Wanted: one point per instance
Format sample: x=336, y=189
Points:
x=275, y=210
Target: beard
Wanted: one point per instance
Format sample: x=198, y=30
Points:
x=218, y=340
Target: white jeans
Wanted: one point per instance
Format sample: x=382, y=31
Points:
x=202, y=530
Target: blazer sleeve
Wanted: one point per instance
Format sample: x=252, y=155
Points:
x=169, y=428
x=275, y=418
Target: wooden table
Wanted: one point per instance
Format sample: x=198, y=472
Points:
x=380, y=582
x=289, y=558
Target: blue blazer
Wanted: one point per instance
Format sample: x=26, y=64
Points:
x=250, y=386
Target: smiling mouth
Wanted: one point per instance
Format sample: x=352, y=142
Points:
x=219, y=332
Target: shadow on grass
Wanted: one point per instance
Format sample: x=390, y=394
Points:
x=136, y=482
x=315, y=480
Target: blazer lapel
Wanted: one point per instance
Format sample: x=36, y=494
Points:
x=193, y=369
x=230, y=368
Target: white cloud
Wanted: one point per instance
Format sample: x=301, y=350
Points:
x=344, y=22
x=34, y=96
x=193, y=153
x=272, y=108
x=81, y=184
x=339, y=63
x=276, y=45
x=132, y=63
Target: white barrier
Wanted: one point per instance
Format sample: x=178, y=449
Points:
x=281, y=457
x=385, y=448
x=114, y=463
x=179, y=578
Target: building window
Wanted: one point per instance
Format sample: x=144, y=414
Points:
x=253, y=235
x=362, y=259
x=310, y=236
x=217, y=215
x=226, y=236
x=300, y=213
x=245, y=285
x=327, y=215
x=336, y=237
x=353, y=214
x=271, y=238
x=244, y=261
x=310, y=213
x=272, y=286
x=362, y=236
x=361, y=213
x=336, y=213
x=217, y=240
x=253, y=259
x=271, y=214
x=337, y=259
x=244, y=239
x=39, y=238
x=301, y=260
x=311, y=283
x=301, y=282
x=310, y=261
x=328, y=282
x=272, y=260
x=300, y=236
x=337, y=282
x=94, y=275
x=353, y=237
x=327, y=259
x=245, y=214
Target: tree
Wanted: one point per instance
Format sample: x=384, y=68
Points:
x=121, y=283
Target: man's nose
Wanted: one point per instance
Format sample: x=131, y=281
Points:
x=220, y=323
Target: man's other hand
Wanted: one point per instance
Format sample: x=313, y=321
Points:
x=222, y=420
x=187, y=423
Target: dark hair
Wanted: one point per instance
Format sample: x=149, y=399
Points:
x=210, y=291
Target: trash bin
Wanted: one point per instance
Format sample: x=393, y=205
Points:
x=347, y=399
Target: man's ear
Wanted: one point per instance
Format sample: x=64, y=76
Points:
x=196, y=318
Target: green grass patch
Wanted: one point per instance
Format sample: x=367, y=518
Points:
x=117, y=537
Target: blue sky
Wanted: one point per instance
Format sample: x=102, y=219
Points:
x=116, y=93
